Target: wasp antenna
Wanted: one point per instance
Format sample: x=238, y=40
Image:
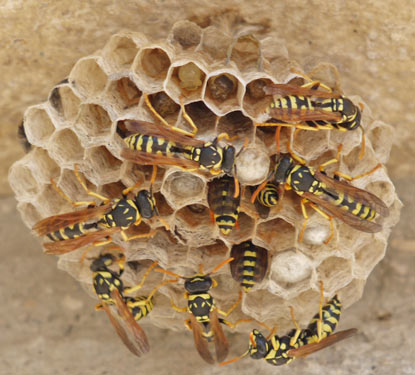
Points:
x=219, y=266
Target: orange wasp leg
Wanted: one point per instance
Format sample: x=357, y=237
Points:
x=238, y=301
x=140, y=285
x=322, y=213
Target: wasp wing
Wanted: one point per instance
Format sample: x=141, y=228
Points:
x=284, y=89
x=150, y=128
x=237, y=253
x=303, y=114
x=54, y=223
x=140, y=337
x=202, y=345
x=66, y=246
x=144, y=158
x=221, y=342
x=357, y=194
x=306, y=350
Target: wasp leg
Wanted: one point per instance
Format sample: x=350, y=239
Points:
x=349, y=178
x=122, y=89
x=188, y=119
x=177, y=308
x=188, y=325
x=226, y=313
x=102, y=243
x=145, y=235
x=277, y=138
x=258, y=190
x=140, y=285
x=165, y=282
x=293, y=155
x=298, y=126
x=332, y=161
x=89, y=192
x=311, y=82
x=328, y=217
x=320, y=321
x=233, y=325
x=64, y=196
x=135, y=186
x=297, y=328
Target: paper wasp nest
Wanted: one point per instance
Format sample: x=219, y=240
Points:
x=222, y=89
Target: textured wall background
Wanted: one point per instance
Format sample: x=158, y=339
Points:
x=49, y=325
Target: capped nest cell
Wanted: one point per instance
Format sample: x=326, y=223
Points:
x=221, y=93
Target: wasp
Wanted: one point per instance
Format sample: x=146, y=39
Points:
x=153, y=144
x=249, y=265
x=306, y=107
x=355, y=207
x=203, y=313
x=298, y=343
x=96, y=224
x=109, y=288
x=223, y=204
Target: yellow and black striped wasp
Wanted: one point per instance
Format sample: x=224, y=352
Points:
x=110, y=289
x=203, y=313
x=223, y=203
x=298, y=342
x=330, y=197
x=96, y=224
x=306, y=107
x=266, y=198
x=162, y=144
x=249, y=264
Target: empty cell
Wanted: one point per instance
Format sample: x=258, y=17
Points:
x=72, y=187
x=162, y=206
x=367, y=257
x=245, y=52
x=235, y=124
x=50, y=202
x=165, y=106
x=381, y=137
x=203, y=117
x=38, y=126
x=123, y=94
x=187, y=34
x=88, y=77
x=104, y=167
x=335, y=273
x=93, y=122
x=243, y=230
x=66, y=147
x=194, y=219
x=309, y=144
x=65, y=102
x=112, y=190
x=120, y=53
x=22, y=181
x=153, y=62
x=43, y=167
x=29, y=213
x=255, y=101
x=278, y=234
x=182, y=188
x=209, y=256
x=222, y=87
x=263, y=306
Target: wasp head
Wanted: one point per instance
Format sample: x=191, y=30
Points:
x=258, y=345
x=198, y=284
x=283, y=169
x=146, y=204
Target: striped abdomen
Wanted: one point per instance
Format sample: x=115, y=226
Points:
x=139, y=306
x=151, y=144
x=268, y=196
x=71, y=231
x=104, y=283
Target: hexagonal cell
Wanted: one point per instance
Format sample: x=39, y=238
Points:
x=66, y=148
x=38, y=126
x=103, y=167
x=367, y=257
x=209, y=256
x=255, y=101
x=112, y=190
x=123, y=94
x=235, y=124
x=243, y=230
x=222, y=92
x=50, y=202
x=245, y=52
x=290, y=267
x=30, y=215
x=186, y=34
x=268, y=135
x=381, y=137
x=186, y=80
x=120, y=52
x=284, y=240
x=203, y=117
x=382, y=189
x=215, y=42
x=22, y=181
x=194, y=215
x=272, y=307
x=162, y=206
x=352, y=292
x=181, y=188
x=73, y=188
x=165, y=106
x=43, y=167
x=151, y=65
x=335, y=273
x=88, y=77
x=93, y=125
x=65, y=102
x=308, y=144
